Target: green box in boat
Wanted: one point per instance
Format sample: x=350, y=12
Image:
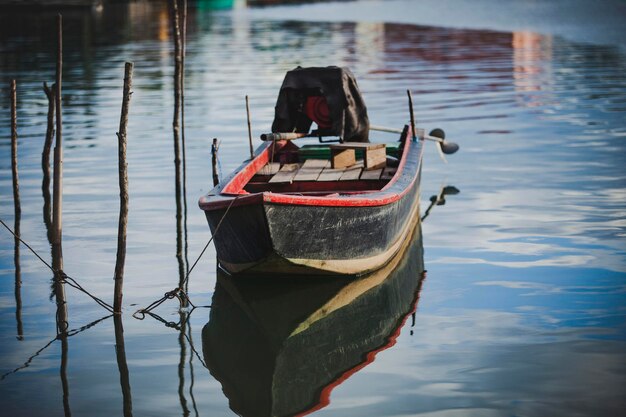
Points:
x=323, y=151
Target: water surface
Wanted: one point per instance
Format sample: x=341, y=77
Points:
x=522, y=311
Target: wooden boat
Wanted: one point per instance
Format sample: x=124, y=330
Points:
x=291, y=209
x=301, y=224
x=279, y=347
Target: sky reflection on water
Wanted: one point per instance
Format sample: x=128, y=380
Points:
x=522, y=312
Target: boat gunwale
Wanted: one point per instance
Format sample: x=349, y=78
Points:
x=233, y=187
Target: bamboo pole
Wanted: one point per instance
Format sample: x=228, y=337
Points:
x=18, y=212
x=57, y=194
x=123, y=183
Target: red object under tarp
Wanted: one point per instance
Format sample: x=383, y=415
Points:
x=316, y=109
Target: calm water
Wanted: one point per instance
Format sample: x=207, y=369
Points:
x=523, y=310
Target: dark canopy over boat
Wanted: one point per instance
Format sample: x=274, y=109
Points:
x=334, y=87
x=324, y=208
x=279, y=348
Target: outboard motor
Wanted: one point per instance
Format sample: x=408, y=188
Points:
x=328, y=96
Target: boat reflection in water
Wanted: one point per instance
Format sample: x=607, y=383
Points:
x=279, y=347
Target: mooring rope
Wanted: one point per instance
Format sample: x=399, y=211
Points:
x=178, y=292
x=70, y=333
x=140, y=314
x=180, y=326
x=26, y=244
x=59, y=275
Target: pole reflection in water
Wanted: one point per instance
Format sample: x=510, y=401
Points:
x=45, y=160
x=18, y=282
x=120, y=353
x=181, y=363
x=279, y=346
x=191, y=371
x=63, y=372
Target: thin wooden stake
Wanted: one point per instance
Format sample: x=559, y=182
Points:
x=16, y=181
x=408, y=93
x=18, y=212
x=249, y=128
x=57, y=201
x=214, y=148
x=181, y=82
x=57, y=193
x=123, y=182
x=182, y=126
x=176, y=128
x=177, y=63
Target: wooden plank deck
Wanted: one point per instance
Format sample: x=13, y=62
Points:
x=311, y=170
x=371, y=175
x=353, y=172
x=330, y=174
x=286, y=173
x=270, y=168
x=319, y=170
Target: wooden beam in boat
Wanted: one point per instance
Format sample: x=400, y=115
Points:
x=286, y=173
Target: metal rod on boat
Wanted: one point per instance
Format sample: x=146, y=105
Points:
x=447, y=147
x=283, y=136
x=123, y=182
x=249, y=128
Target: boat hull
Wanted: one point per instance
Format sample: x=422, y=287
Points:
x=294, y=239
x=346, y=233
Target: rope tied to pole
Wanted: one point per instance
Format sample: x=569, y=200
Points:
x=178, y=292
x=60, y=276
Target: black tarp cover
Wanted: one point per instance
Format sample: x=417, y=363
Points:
x=347, y=110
